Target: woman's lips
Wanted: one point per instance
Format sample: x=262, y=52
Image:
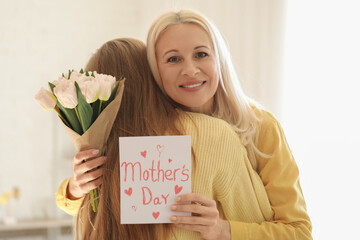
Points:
x=192, y=85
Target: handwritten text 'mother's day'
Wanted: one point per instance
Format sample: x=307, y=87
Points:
x=135, y=172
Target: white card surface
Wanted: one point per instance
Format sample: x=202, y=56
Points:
x=154, y=170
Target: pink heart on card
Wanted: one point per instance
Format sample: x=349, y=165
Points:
x=170, y=160
x=156, y=214
x=128, y=191
x=160, y=148
x=143, y=154
x=178, y=189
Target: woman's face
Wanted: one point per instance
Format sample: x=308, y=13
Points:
x=187, y=66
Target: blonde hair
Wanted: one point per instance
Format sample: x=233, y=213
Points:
x=231, y=104
x=144, y=111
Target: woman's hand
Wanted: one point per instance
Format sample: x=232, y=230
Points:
x=205, y=217
x=87, y=173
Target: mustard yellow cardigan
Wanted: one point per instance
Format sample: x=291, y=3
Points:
x=263, y=204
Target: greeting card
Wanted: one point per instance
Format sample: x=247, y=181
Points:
x=154, y=170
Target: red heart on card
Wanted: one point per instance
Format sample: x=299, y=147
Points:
x=160, y=148
x=178, y=189
x=143, y=154
x=170, y=160
x=156, y=214
x=128, y=191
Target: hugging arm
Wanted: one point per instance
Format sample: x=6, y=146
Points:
x=280, y=176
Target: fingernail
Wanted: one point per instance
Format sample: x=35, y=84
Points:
x=95, y=152
x=173, y=207
x=173, y=218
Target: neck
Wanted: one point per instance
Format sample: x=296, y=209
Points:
x=206, y=108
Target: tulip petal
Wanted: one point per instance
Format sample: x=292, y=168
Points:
x=112, y=96
x=68, y=114
x=46, y=99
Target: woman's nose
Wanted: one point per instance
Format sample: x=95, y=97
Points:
x=190, y=68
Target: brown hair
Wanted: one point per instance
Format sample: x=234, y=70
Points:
x=144, y=111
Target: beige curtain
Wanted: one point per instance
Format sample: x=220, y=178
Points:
x=257, y=49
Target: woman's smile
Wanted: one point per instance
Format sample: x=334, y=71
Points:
x=192, y=86
x=188, y=67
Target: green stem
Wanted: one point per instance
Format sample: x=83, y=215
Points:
x=100, y=107
x=62, y=118
x=94, y=198
x=77, y=114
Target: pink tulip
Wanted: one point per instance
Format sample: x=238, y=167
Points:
x=46, y=99
x=65, y=92
x=60, y=79
x=74, y=75
x=89, y=87
x=107, y=84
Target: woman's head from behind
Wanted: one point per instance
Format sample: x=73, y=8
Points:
x=144, y=110
x=124, y=57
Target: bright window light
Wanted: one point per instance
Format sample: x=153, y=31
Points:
x=321, y=110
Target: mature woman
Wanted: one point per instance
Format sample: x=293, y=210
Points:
x=192, y=66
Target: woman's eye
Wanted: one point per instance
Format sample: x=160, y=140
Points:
x=173, y=59
x=201, y=55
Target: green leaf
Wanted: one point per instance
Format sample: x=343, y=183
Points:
x=87, y=74
x=112, y=96
x=81, y=71
x=71, y=117
x=92, y=74
x=95, y=107
x=84, y=109
x=70, y=72
x=68, y=114
x=52, y=86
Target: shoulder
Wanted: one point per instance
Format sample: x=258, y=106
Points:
x=270, y=133
x=199, y=119
x=207, y=126
x=267, y=119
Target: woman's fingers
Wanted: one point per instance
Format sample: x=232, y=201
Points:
x=89, y=176
x=192, y=208
x=84, y=155
x=195, y=198
x=87, y=173
x=91, y=185
x=89, y=165
x=205, y=217
x=192, y=220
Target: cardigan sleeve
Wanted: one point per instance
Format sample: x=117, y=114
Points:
x=69, y=206
x=280, y=176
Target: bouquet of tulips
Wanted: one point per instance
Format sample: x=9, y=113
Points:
x=87, y=103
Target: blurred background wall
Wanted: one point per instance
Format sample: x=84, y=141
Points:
x=299, y=59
